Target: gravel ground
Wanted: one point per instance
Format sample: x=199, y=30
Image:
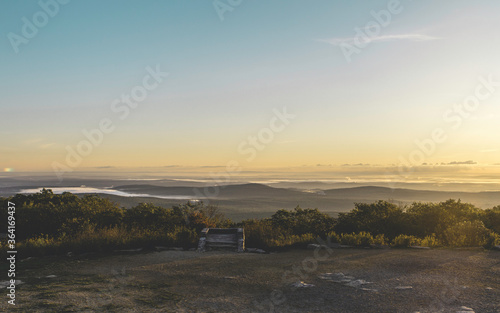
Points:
x=338, y=280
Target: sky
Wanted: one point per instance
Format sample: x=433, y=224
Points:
x=260, y=84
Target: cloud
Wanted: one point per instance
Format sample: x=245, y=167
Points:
x=47, y=145
x=32, y=141
x=469, y=162
x=38, y=143
x=489, y=150
x=357, y=164
x=337, y=41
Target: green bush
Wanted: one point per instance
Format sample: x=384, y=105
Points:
x=303, y=221
x=292, y=240
x=466, y=234
x=348, y=239
x=491, y=240
x=49, y=224
x=405, y=241
x=260, y=233
x=361, y=239
x=491, y=219
x=380, y=217
x=50, y=214
x=430, y=241
x=380, y=239
x=425, y=219
x=38, y=246
x=334, y=237
x=186, y=238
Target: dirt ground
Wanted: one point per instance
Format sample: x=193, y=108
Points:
x=373, y=280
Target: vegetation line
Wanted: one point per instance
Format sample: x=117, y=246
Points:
x=53, y=224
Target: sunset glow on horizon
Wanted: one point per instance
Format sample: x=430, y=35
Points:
x=285, y=84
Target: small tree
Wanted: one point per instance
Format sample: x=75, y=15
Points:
x=466, y=234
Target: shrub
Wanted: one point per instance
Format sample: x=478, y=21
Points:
x=376, y=218
x=491, y=240
x=426, y=219
x=380, y=239
x=291, y=241
x=186, y=238
x=262, y=234
x=259, y=233
x=333, y=237
x=50, y=214
x=150, y=216
x=39, y=246
x=50, y=224
x=491, y=219
x=405, y=241
x=303, y=221
x=364, y=239
x=430, y=241
x=466, y=234
x=361, y=239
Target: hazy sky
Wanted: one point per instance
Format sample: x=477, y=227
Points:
x=423, y=71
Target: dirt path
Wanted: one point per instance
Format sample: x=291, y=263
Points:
x=388, y=280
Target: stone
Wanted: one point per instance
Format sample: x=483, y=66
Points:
x=128, y=250
x=419, y=247
x=161, y=248
x=176, y=249
x=346, y=280
x=313, y=246
x=336, y=277
x=4, y=284
x=201, y=244
x=301, y=284
x=255, y=250
x=357, y=283
x=369, y=289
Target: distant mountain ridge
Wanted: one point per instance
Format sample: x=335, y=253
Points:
x=225, y=191
x=249, y=200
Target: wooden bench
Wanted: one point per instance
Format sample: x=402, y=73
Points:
x=217, y=238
